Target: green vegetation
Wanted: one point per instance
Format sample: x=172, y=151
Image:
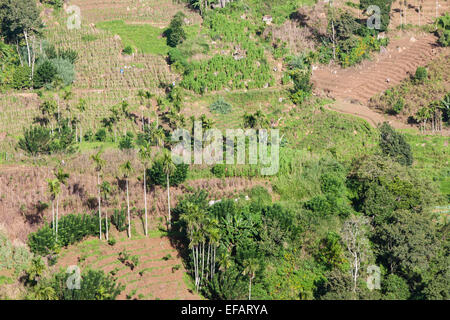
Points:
x=142, y=37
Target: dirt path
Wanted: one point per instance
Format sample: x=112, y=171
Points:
x=364, y=112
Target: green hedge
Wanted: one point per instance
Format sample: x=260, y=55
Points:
x=72, y=228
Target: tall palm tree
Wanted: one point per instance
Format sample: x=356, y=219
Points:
x=62, y=177
x=168, y=168
x=127, y=170
x=251, y=266
x=54, y=188
x=81, y=106
x=145, y=155
x=105, y=190
x=99, y=164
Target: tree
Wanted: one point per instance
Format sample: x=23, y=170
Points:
x=385, y=8
x=105, y=190
x=99, y=164
x=175, y=33
x=354, y=236
x=394, y=145
x=19, y=18
x=36, y=140
x=127, y=170
x=169, y=168
x=54, y=188
x=145, y=155
x=81, y=106
x=251, y=266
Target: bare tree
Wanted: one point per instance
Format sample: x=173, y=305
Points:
x=354, y=236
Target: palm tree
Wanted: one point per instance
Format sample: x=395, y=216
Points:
x=168, y=168
x=99, y=164
x=127, y=170
x=81, y=106
x=62, y=178
x=105, y=190
x=54, y=188
x=250, y=267
x=145, y=155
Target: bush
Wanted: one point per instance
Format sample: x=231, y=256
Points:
x=100, y=135
x=220, y=106
x=126, y=142
x=72, y=228
x=421, y=75
x=94, y=285
x=45, y=74
x=21, y=78
x=394, y=145
x=218, y=170
x=175, y=33
x=65, y=70
x=36, y=140
x=156, y=175
x=128, y=50
x=118, y=219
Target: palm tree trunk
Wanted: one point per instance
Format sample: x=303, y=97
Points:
x=106, y=220
x=56, y=219
x=145, y=203
x=53, y=216
x=168, y=199
x=99, y=205
x=128, y=211
x=250, y=290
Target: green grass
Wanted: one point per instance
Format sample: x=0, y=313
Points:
x=145, y=38
x=141, y=37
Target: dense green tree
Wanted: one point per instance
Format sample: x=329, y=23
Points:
x=394, y=145
x=175, y=33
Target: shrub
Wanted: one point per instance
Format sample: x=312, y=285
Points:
x=156, y=175
x=100, y=135
x=36, y=140
x=421, y=75
x=45, y=74
x=64, y=70
x=21, y=77
x=126, y=142
x=128, y=50
x=94, y=285
x=394, y=145
x=118, y=220
x=175, y=33
x=220, y=106
x=112, y=241
x=218, y=170
x=72, y=228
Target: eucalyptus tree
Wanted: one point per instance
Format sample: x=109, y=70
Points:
x=99, y=163
x=168, y=168
x=145, y=154
x=127, y=169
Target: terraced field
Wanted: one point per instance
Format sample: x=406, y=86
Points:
x=388, y=68
x=159, y=275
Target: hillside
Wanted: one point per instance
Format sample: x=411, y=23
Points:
x=87, y=162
